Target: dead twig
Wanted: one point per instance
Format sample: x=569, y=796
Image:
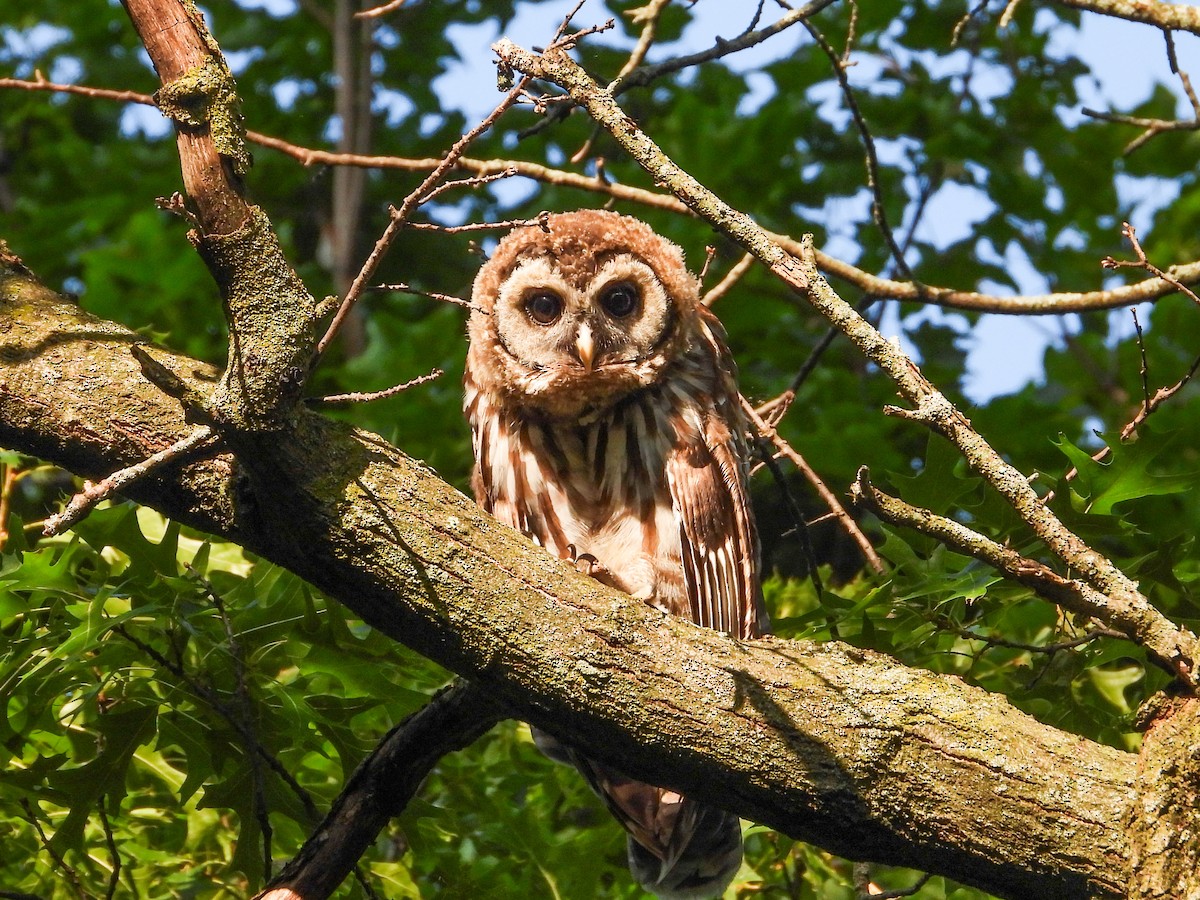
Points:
x=432, y=295
x=1130, y=234
x=400, y=216
x=93, y=493
x=732, y=277
x=827, y=496
x=541, y=220
x=376, y=395
x=377, y=11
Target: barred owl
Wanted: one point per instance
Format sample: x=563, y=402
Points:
x=606, y=425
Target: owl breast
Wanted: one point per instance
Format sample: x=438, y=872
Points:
x=595, y=487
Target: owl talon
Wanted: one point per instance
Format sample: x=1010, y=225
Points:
x=586, y=564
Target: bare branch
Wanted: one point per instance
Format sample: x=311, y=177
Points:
x=400, y=216
x=381, y=788
x=432, y=295
x=376, y=395
x=378, y=11
x=92, y=493
x=827, y=496
x=732, y=277
x=878, y=208
x=646, y=74
x=1130, y=234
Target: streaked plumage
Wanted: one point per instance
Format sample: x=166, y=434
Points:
x=604, y=410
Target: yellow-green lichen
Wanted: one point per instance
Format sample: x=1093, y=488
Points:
x=207, y=95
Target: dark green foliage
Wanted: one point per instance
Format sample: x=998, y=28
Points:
x=143, y=669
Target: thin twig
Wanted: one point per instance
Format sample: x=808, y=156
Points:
x=709, y=252
x=1161, y=396
x=732, y=277
x=878, y=208
x=472, y=182
x=376, y=395
x=827, y=496
x=93, y=493
x=1144, y=368
x=645, y=74
x=114, y=877
x=799, y=528
x=648, y=15
x=71, y=876
x=1010, y=10
x=541, y=220
x=432, y=295
x=400, y=217
x=376, y=12
x=1092, y=634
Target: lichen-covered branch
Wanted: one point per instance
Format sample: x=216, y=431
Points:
x=270, y=313
x=1165, y=823
x=1127, y=609
x=198, y=97
x=1181, y=16
x=842, y=747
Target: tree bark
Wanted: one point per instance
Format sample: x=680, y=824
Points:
x=841, y=747
x=1165, y=821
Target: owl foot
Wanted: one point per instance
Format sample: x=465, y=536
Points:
x=586, y=564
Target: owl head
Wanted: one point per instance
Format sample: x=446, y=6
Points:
x=580, y=316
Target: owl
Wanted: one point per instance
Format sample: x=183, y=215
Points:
x=606, y=425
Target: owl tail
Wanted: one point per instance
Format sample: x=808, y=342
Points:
x=679, y=849
x=702, y=868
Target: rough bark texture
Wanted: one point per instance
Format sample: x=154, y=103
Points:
x=841, y=747
x=1165, y=823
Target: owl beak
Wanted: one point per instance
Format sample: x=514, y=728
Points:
x=585, y=346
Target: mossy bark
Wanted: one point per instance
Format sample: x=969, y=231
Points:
x=845, y=748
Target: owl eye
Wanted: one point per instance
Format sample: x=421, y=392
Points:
x=544, y=307
x=620, y=300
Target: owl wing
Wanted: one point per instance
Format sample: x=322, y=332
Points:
x=707, y=475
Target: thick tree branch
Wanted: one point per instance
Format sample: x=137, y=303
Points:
x=844, y=748
x=195, y=97
x=1127, y=609
x=270, y=314
x=1183, y=17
